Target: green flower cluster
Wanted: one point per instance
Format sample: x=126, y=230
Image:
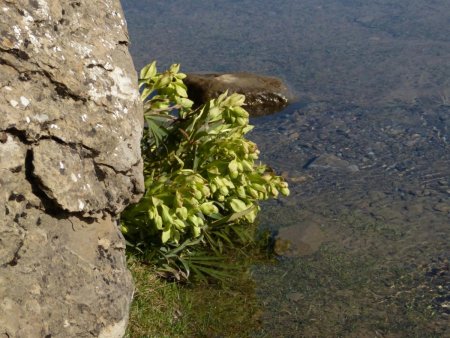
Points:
x=200, y=170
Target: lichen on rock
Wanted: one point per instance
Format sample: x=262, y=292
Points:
x=70, y=162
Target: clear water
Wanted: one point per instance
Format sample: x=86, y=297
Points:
x=373, y=80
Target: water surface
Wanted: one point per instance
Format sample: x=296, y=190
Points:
x=367, y=152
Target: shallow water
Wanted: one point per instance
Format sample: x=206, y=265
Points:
x=366, y=151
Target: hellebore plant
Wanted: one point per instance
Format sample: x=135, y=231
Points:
x=202, y=178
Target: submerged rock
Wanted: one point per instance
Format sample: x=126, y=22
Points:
x=330, y=161
x=70, y=128
x=264, y=95
x=299, y=240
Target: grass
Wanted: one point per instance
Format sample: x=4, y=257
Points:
x=168, y=309
x=155, y=311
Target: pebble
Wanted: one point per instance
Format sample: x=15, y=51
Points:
x=353, y=168
x=388, y=214
x=415, y=208
x=295, y=297
x=376, y=195
x=442, y=207
x=294, y=136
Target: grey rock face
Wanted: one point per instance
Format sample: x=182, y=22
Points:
x=70, y=128
x=264, y=95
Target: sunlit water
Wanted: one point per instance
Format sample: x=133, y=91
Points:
x=366, y=152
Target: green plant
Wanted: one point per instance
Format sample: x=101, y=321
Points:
x=202, y=181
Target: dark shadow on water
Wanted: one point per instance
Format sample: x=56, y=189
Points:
x=291, y=108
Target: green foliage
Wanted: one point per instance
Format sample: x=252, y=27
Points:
x=202, y=178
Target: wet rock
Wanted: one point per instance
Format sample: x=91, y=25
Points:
x=375, y=195
x=442, y=207
x=330, y=161
x=295, y=177
x=387, y=213
x=299, y=240
x=264, y=95
x=295, y=297
x=70, y=128
x=416, y=208
x=353, y=168
x=294, y=136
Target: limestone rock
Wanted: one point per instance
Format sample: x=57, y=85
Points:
x=70, y=129
x=264, y=95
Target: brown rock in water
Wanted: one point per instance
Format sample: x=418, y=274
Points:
x=70, y=126
x=333, y=162
x=442, y=207
x=264, y=95
x=299, y=240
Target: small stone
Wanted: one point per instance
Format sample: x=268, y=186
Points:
x=300, y=179
x=295, y=297
x=376, y=195
x=295, y=177
x=353, y=168
x=442, y=207
x=330, y=161
x=387, y=214
x=294, y=136
x=415, y=208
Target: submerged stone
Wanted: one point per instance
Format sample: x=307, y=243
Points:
x=299, y=240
